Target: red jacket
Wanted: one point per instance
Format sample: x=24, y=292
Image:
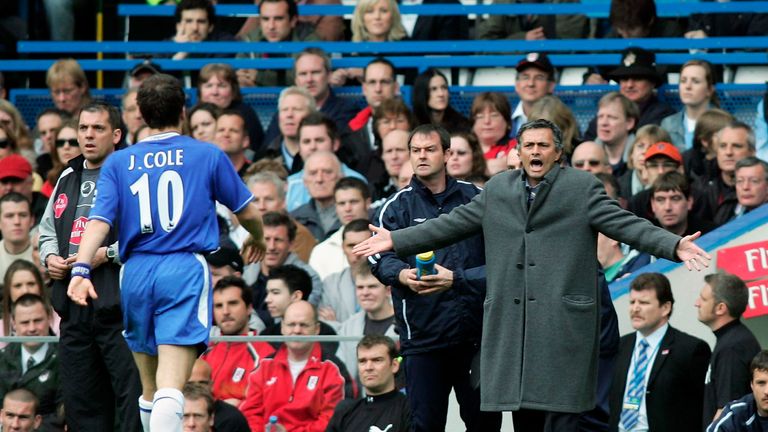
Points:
x=305, y=406
x=360, y=119
x=232, y=363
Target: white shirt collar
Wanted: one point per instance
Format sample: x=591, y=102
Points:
x=653, y=339
x=160, y=136
x=39, y=356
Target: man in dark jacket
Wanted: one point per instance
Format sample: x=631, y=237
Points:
x=440, y=332
x=98, y=376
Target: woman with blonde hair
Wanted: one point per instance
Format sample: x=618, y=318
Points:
x=10, y=115
x=553, y=109
x=696, y=90
x=68, y=85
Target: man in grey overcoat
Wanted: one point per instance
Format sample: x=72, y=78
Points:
x=541, y=313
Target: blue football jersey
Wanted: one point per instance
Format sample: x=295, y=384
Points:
x=161, y=195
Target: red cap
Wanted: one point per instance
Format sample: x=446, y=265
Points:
x=664, y=149
x=15, y=166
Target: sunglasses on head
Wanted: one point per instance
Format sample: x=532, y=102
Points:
x=594, y=163
x=62, y=142
x=4, y=143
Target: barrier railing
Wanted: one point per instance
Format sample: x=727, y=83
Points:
x=404, y=47
x=318, y=338
x=592, y=10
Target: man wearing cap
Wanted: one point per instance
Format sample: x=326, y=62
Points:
x=232, y=362
x=225, y=261
x=638, y=76
x=660, y=158
x=535, y=79
x=16, y=176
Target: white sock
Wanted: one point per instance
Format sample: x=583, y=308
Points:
x=167, y=411
x=145, y=410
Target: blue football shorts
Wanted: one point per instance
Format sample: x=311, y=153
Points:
x=166, y=300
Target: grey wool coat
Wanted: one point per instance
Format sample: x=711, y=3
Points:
x=541, y=325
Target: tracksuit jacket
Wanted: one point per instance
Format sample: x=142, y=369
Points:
x=232, y=363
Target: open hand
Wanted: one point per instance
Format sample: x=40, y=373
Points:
x=693, y=256
x=80, y=289
x=380, y=242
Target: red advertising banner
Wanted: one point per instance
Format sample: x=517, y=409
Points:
x=758, y=299
x=749, y=261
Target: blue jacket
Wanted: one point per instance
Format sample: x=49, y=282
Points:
x=738, y=416
x=429, y=322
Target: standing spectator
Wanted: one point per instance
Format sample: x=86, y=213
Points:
x=617, y=118
x=749, y=412
x=697, y=93
x=33, y=365
x=16, y=221
x=533, y=27
x=535, y=79
x=721, y=302
x=201, y=121
x=19, y=412
x=658, y=380
x=439, y=333
x=301, y=383
x=383, y=408
x=68, y=86
x=638, y=76
x=99, y=380
x=432, y=105
x=501, y=213
x=232, y=362
x=218, y=85
x=751, y=184
x=278, y=22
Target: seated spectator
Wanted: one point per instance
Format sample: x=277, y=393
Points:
x=553, y=109
x=383, y=407
x=232, y=138
x=225, y=261
x=201, y=121
x=327, y=27
x=48, y=123
x=131, y=115
x=700, y=160
x=312, y=69
x=733, y=24
x=293, y=105
x=301, y=383
x=279, y=235
x=465, y=161
x=435, y=27
x=33, y=365
x=660, y=158
x=218, y=85
x=372, y=21
x=16, y=222
x=194, y=23
x=10, y=116
x=140, y=72
x=339, y=301
x=198, y=408
x=19, y=412
x=68, y=86
x=535, y=79
x=591, y=156
x=715, y=196
x=321, y=172
x=532, y=27
x=636, y=177
x=16, y=175
x=352, y=201
x=430, y=99
x=671, y=202
x=491, y=117
x=65, y=148
x=721, y=303
x=638, y=19
x=394, y=155
x=617, y=118
x=614, y=262
x=638, y=76
x=316, y=133
x=269, y=196
x=751, y=184
x=749, y=413
x=225, y=416
x=22, y=277
x=233, y=362
x=278, y=22
x=375, y=317
x=696, y=90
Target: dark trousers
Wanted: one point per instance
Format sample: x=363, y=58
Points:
x=526, y=420
x=99, y=379
x=431, y=376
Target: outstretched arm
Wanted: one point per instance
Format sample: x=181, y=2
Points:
x=380, y=242
x=692, y=255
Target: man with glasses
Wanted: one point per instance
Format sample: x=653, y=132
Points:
x=751, y=184
x=591, y=157
x=535, y=79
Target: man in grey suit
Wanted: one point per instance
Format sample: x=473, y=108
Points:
x=540, y=226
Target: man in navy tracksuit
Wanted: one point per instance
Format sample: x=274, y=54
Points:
x=438, y=317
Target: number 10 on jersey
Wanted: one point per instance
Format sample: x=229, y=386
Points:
x=169, y=198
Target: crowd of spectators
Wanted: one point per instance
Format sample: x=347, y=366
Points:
x=323, y=168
